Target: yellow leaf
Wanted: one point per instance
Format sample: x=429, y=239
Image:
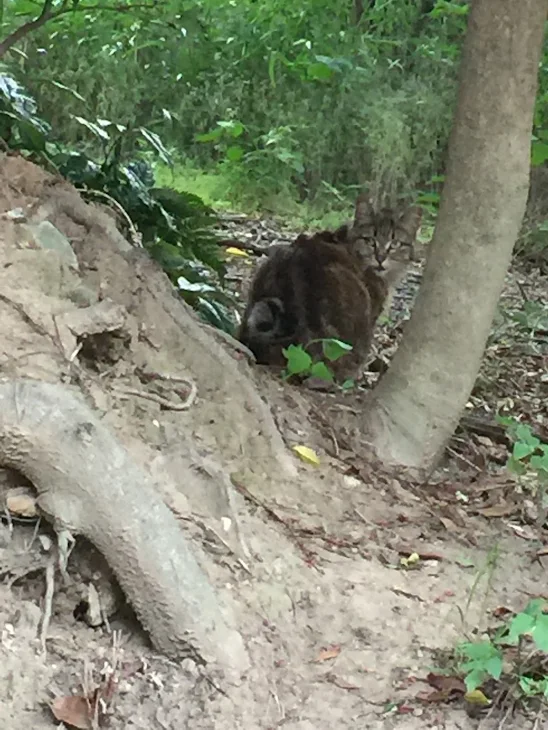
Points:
x=237, y=252
x=413, y=559
x=307, y=454
x=476, y=697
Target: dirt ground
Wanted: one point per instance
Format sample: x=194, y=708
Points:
x=338, y=631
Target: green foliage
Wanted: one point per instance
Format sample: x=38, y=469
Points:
x=320, y=102
x=20, y=126
x=301, y=363
x=477, y=661
x=527, y=325
x=529, y=453
x=529, y=461
x=176, y=227
x=490, y=658
x=290, y=102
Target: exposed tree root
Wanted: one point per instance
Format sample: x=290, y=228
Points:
x=88, y=484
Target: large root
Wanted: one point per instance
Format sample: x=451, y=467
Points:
x=88, y=483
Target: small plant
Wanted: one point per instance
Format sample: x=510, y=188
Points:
x=508, y=658
x=528, y=451
x=529, y=461
x=301, y=363
x=223, y=135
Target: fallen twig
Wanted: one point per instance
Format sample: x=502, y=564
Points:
x=48, y=601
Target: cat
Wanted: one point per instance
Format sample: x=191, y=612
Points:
x=332, y=284
x=384, y=240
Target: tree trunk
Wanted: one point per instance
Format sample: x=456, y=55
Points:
x=415, y=408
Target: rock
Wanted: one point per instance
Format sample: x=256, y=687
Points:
x=46, y=236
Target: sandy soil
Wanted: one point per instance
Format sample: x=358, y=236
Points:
x=339, y=632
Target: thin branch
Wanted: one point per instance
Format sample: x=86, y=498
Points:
x=47, y=14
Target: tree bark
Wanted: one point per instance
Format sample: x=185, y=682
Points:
x=415, y=409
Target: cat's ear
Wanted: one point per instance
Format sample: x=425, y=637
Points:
x=363, y=213
x=408, y=224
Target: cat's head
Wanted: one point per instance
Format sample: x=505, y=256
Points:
x=384, y=238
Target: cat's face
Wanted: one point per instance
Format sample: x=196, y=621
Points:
x=385, y=238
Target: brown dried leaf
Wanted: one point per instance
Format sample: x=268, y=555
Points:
x=435, y=695
x=330, y=653
x=446, y=686
x=449, y=525
x=73, y=710
x=503, y=509
x=21, y=502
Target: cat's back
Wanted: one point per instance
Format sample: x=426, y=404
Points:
x=307, y=268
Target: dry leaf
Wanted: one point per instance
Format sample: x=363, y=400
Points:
x=499, y=510
x=413, y=559
x=476, y=697
x=524, y=532
x=330, y=653
x=74, y=711
x=21, y=501
x=307, y=454
x=449, y=525
x=446, y=684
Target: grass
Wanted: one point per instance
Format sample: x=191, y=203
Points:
x=216, y=189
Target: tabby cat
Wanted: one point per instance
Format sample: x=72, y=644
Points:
x=330, y=284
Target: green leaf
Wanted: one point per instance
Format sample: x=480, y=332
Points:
x=236, y=129
x=478, y=650
x=494, y=666
x=319, y=72
x=535, y=607
x=194, y=286
x=334, y=349
x=213, y=136
x=298, y=360
x=540, y=633
x=539, y=153
x=539, y=463
x=73, y=92
x=234, y=153
x=272, y=69
x=521, y=624
x=95, y=129
x=524, y=433
x=320, y=370
x=474, y=679
x=444, y=7
x=521, y=450
x=32, y=138
x=231, y=126
x=156, y=143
